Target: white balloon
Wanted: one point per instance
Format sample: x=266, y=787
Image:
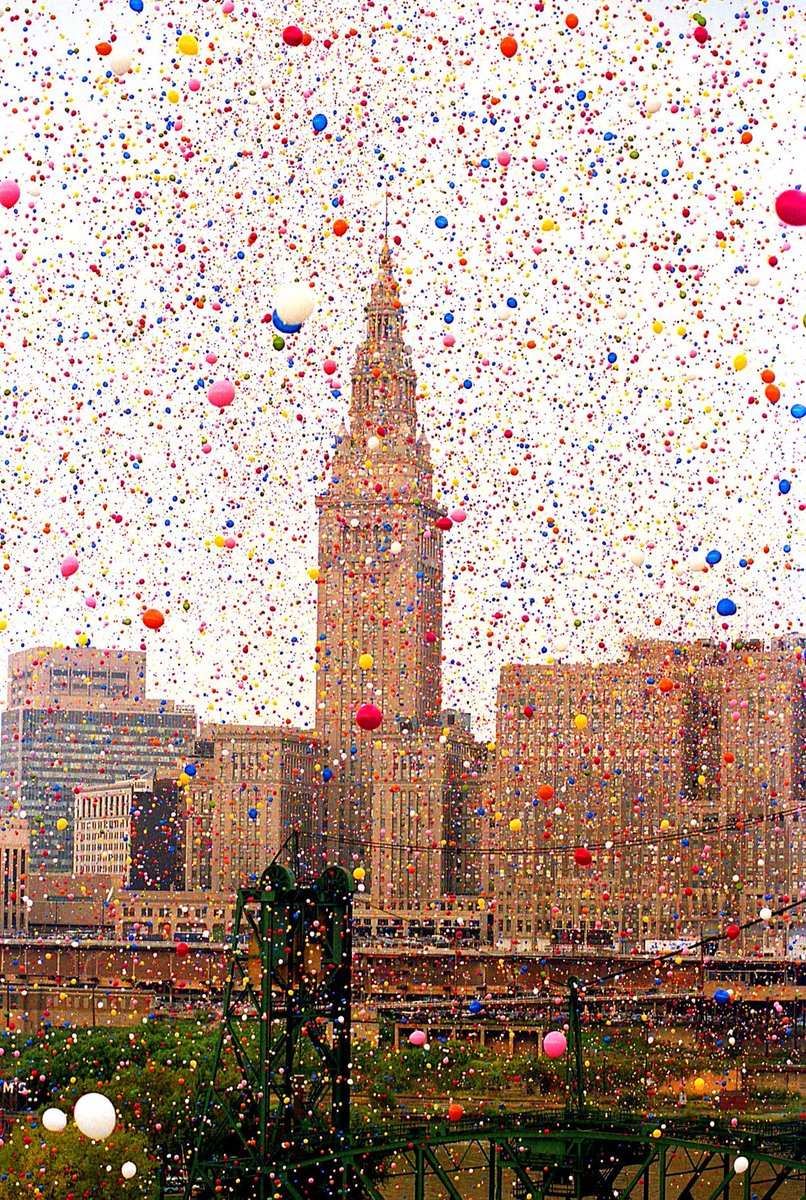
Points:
x=95, y=1116
x=294, y=303
x=680, y=569
x=653, y=105
x=603, y=256
x=637, y=558
x=54, y=1120
x=561, y=645
x=765, y=914
x=622, y=312
x=753, y=280
x=740, y=1165
x=128, y=1170
x=120, y=60
x=396, y=547
x=373, y=443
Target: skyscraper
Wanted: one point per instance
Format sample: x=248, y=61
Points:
x=80, y=717
x=379, y=630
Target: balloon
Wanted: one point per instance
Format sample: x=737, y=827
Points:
x=784, y=487
x=95, y=1116
x=365, y=661
x=721, y=996
x=515, y=825
x=153, y=618
x=474, y=1007
x=368, y=717
x=636, y=558
x=359, y=874
x=294, y=303
x=61, y=824
x=329, y=366
x=444, y=523
x=554, y=1044
x=128, y=1170
x=713, y=557
x=561, y=645
x=665, y=685
x=221, y=393
x=319, y=122
x=545, y=792
x=581, y=721
x=572, y=21
x=182, y=949
x=188, y=44
x=252, y=814
x=292, y=35
x=339, y=226
x=9, y=193
x=54, y=1120
x=69, y=566
x=654, y=105
x=583, y=857
x=699, y=1084
x=417, y=1037
x=509, y=47
x=791, y=207
x=120, y=60
x=191, y=770
x=458, y=516
x=765, y=914
x=455, y=1112
x=732, y=932
x=726, y=608
x=740, y=1165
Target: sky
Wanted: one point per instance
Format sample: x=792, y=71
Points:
x=608, y=262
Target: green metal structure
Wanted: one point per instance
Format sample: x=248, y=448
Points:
x=275, y=1121
x=280, y=1082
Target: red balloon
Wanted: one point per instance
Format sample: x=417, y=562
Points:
x=153, y=618
x=182, y=949
x=368, y=717
x=444, y=523
x=583, y=857
x=545, y=792
x=293, y=35
x=701, y=35
x=791, y=207
x=528, y=711
x=509, y=47
x=455, y=1112
x=732, y=932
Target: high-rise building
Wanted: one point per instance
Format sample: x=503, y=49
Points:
x=676, y=768
x=133, y=832
x=253, y=786
x=393, y=813
x=14, y=850
x=75, y=718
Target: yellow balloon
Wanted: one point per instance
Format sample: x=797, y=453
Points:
x=173, y=96
x=3, y=623
x=358, y=874
x=581, y=721
x=188, y=44
x=365, y=661
x=740, y=362
x=61, y=824
x=82, y=639
x=664, y=824
x=515, y=825
x=183, y=780
x=657, y=327
x=313, y=573
x=219, y=541
x=699, y=1084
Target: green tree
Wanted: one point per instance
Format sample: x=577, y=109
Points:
x=68, y=1166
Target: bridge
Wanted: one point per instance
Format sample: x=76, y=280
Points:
x=275, y=1122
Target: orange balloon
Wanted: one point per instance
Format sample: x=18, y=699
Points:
x=572, y=21
x=339, y=226
x=153, y=618
x=773, y=393
x=767, y=376
x=665, y=685
x=545, y=792
x=509, y=47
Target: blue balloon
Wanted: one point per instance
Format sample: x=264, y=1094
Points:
x=136, y=5
x=441, y=222
x=191, y=770
x=612, y=356
x=721, y=996
x=281, y=325
x=512, y=302
x=448, y=318
x=327, y=774
x=253, y=814
x=319, y=122
x=784, y=487
x=798, y=411
x=713, y=557
x=726, y=608
x=474, y=1006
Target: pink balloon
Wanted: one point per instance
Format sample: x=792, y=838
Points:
x=417, y=1038
x=211, y=358
x=221, y=393
x=449, y=340
x=194, y=85
x=458, y=515
x=9, y=193
x=504, y=158
x=539, y=164
x=90, y=601
x=329, y=366
x=554, y=1044
x=368, y=717
x=69, y=566
x=790, y=207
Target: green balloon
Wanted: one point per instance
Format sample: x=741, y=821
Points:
x=278, y=342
